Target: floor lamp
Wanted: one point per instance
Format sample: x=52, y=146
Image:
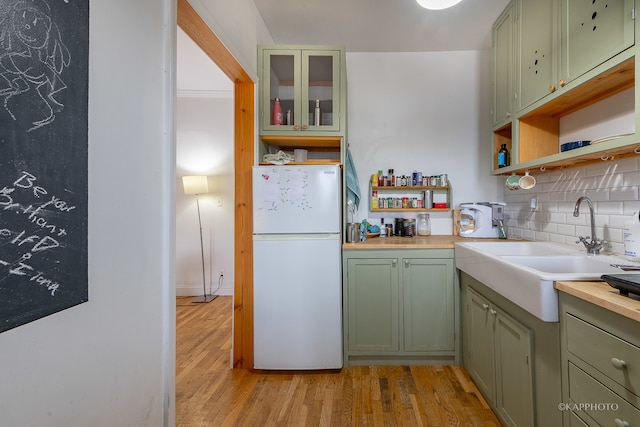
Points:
x=199, y=185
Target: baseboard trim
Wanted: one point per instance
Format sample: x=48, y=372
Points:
x=194, y=291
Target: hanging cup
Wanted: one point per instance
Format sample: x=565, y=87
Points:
x=513, y=182
x=527, y=181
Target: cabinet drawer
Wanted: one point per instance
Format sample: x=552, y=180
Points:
x=600, y=403
x=600, y=349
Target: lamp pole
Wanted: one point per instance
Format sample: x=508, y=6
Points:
x=204, y=297
x=199, y=185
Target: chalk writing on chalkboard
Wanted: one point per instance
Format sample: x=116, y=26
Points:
x=33, y=59
x=44, y=48
x=31, y=246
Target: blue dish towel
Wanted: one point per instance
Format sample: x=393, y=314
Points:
x=353, y=187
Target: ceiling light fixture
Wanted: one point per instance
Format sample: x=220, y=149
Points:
x=437, y=4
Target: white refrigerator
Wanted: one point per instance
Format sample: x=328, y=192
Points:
x=297, y=281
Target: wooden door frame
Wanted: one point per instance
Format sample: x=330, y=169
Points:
x=244, y=138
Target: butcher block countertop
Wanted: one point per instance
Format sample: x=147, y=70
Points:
x=416, y=242
x=603, y=295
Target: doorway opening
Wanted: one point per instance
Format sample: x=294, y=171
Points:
x=204, y=148
x=244, y=118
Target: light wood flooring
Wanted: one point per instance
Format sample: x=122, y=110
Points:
x=209, y=393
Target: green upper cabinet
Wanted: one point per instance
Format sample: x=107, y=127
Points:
x=559, y=40
x=593, y=32
x=537, y=61
x=302, y=78
x=552, y=58
x=503, y=66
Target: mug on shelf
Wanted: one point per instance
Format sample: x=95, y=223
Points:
x=300, y=155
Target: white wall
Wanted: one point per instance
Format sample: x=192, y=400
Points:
x=422, y=111
x=110, y=361
x=204, y=146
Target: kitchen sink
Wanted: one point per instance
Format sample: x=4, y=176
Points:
x=563, y=264
x=524, y=272
x=520, y=248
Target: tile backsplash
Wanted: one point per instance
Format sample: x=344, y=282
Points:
x=612, y=186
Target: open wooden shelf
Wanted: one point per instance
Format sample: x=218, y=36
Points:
x=301, y=141
x=410, y=210
x=308, y=162
x=537, y=143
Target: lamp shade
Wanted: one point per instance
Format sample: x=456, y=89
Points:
x=437, y=4
x=197, y=184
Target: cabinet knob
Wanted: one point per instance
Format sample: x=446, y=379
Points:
x=304, y=127
x=406, y=263
x=620, y=423
x=485, y=306
x=393, y=263
x=493, y=312
x=296, y=127
x=562, y=83
x=618, y=363
x=552, y=88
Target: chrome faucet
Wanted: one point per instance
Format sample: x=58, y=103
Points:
x=592, y=243
x=502, y=232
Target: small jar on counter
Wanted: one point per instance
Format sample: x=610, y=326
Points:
x=424, y=225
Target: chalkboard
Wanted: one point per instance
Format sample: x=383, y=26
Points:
x=44, y=48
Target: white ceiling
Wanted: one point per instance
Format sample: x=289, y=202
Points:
x=381, y=25
x=359, y=25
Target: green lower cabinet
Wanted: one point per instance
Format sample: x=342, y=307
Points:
x=512, y=356
x=373, y=305
x=500, y=360
x=601, y=365
x=514, y=377
x=480, y=347
x=400, y=307
x=428, y=294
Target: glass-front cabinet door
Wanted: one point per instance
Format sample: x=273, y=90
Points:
x=320, y=90
x=282, y=91
x=300, y=91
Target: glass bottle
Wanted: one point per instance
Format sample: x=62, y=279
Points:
x=316, y=113
x=424, y=225
x=277, y=112
x=503, y=156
